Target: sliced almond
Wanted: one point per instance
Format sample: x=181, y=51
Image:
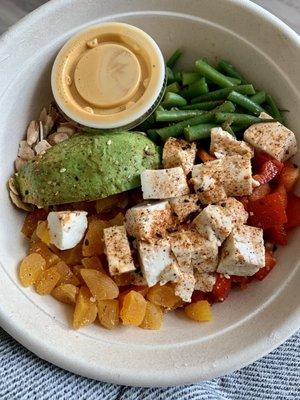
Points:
x=42, y=147
x=66, y=129
x=32, y=133
x=19, y=162
x=12, y=186
x=19, y=203
x=43, y=115
x=25, y=151
x=48, y=125
x=57, y=137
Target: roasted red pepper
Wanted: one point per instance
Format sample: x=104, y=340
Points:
x=198, y=295
x=270, y=263
x=268, y=211
x=293, y=211
x=277, y=234
x=241, y=281
x=267, y=168
x=289, y=176
x=221, y=288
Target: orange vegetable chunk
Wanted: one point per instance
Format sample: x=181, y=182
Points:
x=42, y=232
x=40, y=248
x=66, y=274
x=163, y=296
x=93, y=263
x=85, y=311
x=65, y=293
x=101, y=286
x=133, y=309
x=108, y=313
x=47, y=281
x=31, y=221
x=72, y=256
x=93, y=243
x=30, y=269
x=199, y=311
x=153, y=318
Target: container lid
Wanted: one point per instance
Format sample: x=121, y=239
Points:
x=108, y=76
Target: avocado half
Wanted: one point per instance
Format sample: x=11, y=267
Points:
x=87, y=167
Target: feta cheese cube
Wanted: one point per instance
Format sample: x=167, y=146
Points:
x=67, y=228
x=235, y=210
x=145, y=221
x=204, y=254
x=164, y=183
x=154, y=258
x=213, y=223
x=117, y=250
x=223, y=144
x=234, y=173
x=184, y=206
x=185, y=286
x=273, y=138
x=179, y=153
x=243, y=252
x=171, y=273
x=204, y=281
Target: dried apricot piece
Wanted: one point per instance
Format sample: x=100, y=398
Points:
x=93, y=243
x=30, y=269
x=93, y=263
x=65, y=293
x=101, y=286
x=199, y=311
x=47, y=281
x=31, y=221
x=153, y=317
x=66, y=274
x=108, y=313
x=42, y=232
x=163, y=296
x=85, y=311
x=40, y=248
x=133, y=309
x=72, y=256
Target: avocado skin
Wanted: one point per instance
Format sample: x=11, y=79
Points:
x=87, y=167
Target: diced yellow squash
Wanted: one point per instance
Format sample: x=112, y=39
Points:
x=65, y=293
x=47, y=281
x=66, y=275
x=163, y=296
x=133, y=308
x=42, y=249
x=101, y=286
x=199, y=311
x=85, y=311
x=108, y=313
x=153, y=318
x=31, y=268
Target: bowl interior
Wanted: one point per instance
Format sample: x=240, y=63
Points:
x=27, y=90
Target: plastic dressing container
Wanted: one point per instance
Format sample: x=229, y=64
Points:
x=109, y=76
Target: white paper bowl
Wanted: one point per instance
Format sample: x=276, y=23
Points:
x=249, y=324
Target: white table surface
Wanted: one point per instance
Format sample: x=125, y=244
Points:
x=12, y=10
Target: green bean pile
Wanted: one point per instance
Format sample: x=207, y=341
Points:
x=197, y=101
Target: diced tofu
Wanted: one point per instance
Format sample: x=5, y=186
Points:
x=213, y=223
x=184, y=206
x=204, y=254
x=243, y=252
x=234, y=173
x=236, y=211
x=185, y=287
x=164, y=183
x=145, y=221
x=273, y=138
x=117, y=250
x=204, y=281
x=214, y=195
x=67, y=228
x=155, y=257
x=171, y=273
x=223, y=144
x=179, y=153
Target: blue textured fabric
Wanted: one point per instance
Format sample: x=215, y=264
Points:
x=23, y=376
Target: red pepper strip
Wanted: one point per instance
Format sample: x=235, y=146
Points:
x=293, y=211
x=277, y=234
x=241, y=281
x=270, y=263
x=221, y=288
x=268, y=211
x=267, y=172
x=261, y=157
x=289, y=176
x=198, y=295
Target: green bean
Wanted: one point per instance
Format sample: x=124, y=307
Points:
x=198, y=132
x=195, y=89
x=170, y=75
x=243, y=119
x=229, y=69
x=228, y=129
x=174, y=58
x=221, y=94
x=206, y=105
x=177, y=76
x=259, y=97
x=176, y=115
x=173, y=100
x=275, y=113
x=208, y=116
x=245, y=102
x=235, y=81
x=212, y=74
x=151, y=133
x=173, y=87
x=189, y=77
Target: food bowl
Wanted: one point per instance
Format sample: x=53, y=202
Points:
x=250, y=323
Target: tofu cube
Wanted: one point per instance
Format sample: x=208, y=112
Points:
x=184, y=206
x=171, y=273
x=223, y=144
x=213, y=196
x=243, y=252
x=213, y=223
x=67, y=228
x=146, y=221
x=154, y=257
x=179, y=153
x=164, y=183
x=204, y=281
x=272, y=138
x=204, y=254
x=117, y=250
x=236, y=211
x=185, y=286
x=234, y=173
